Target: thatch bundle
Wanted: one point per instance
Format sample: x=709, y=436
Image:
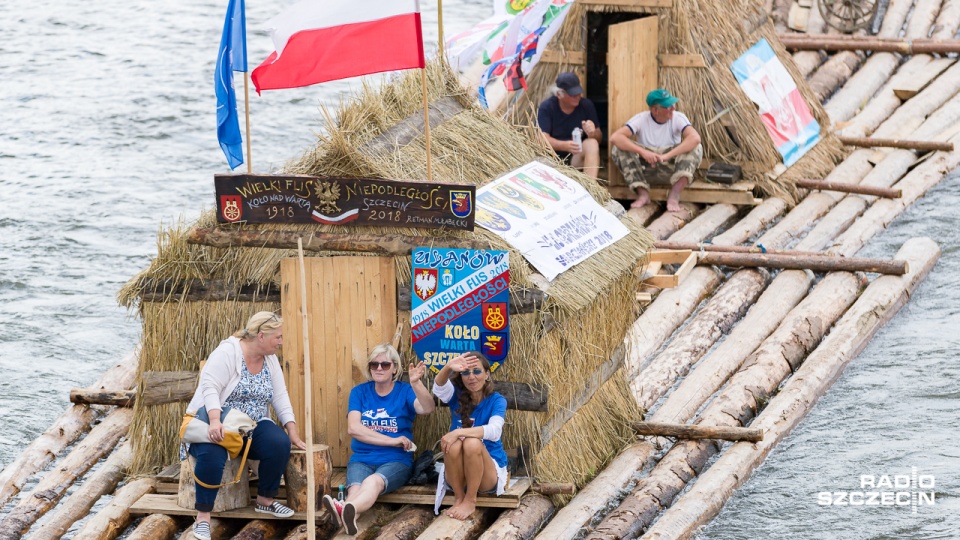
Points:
x=583, y=321
x=732, y=131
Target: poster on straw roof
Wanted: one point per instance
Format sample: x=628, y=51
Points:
x=460, y=303
x=781, y=106
x=549, y=217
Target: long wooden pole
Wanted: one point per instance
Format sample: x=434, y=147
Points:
x=440, y=26
x=800, y=42
x=688, y=431
x=816, y=264
x=871, y=142
x=246, y=105
x=886, y=193
x=426, y=122
x=308, y=401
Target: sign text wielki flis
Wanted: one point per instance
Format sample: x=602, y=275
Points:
x=254, y=198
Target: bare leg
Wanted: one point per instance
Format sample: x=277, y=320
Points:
x=673, y=199
x=364, y=495
x=481, y=474
x=453, y=471
x=643, y=197
x=591, y=158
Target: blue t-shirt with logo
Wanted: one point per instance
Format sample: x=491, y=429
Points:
x=391, y=415
x=492, y=405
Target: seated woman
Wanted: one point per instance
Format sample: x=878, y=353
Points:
x=243, y=373
x=380, y=420
x=473, y=457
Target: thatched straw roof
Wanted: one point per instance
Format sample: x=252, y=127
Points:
x=720, y=31
x=582, y=323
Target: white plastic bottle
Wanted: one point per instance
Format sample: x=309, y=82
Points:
x=578, y=138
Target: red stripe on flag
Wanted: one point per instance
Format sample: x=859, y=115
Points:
x=338, y=52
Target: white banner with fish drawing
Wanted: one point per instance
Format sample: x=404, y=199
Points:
x=550, y=218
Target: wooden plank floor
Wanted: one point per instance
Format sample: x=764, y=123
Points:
x=164, y=501
x=740, y=193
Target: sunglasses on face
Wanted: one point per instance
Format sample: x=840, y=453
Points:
x=476, y=372
x=381, y=365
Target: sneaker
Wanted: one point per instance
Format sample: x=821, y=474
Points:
x=335, y=508
x=349, y=516
x=201, y=530
x=275, y=509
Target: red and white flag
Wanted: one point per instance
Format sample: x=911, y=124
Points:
x=325, y=40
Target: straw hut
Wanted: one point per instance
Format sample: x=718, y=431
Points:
x=622, y=49
x=569, y=343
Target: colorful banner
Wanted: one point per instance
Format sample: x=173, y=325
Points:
x=460, y=303
x=781, y=106
x=547, y=216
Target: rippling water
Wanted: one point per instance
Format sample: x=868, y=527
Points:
x=108, y=131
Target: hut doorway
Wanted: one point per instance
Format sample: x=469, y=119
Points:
x=621, y=69
x=351, y=307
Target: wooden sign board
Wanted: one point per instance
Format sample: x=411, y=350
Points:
x=257, y=198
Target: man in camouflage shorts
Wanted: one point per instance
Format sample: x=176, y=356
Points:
x=658, y=146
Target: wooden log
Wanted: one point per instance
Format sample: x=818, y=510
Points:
x=206, y=290
x=948, y=20
x=886, y=193
x=75, y=421
x=716, y=318
x=576, y=515
x=296, y=476
x=671, y=222
x=406, y=524
x=687, y=431
x=89, y=396
x=704, y=225
x=833, y=73
x=554, y=488
x=79, y=503
x=113, y=518
x=876, y=306
x=714, y=248
x=455, y=529
x=907, y=120
x=159, y=387
x=101, y=440
x=382, y=244
x=644, y=214
x=779, y=298
x=759, y=218
x=323, y=529
x=155, y=527
x=229, y=497
x=523, y=522
x=800, y=333
x=819, y=263
x=262, y=529
x=907, y=88
x=869, y=142
x=800, y=42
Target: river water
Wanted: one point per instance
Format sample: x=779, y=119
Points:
x=108, y=133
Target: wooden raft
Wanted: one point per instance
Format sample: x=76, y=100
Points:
x=699, y=191
x=164, y=501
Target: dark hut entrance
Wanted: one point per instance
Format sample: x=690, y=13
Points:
x=621, y=64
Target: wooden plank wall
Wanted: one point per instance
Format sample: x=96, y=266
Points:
x=352, y=308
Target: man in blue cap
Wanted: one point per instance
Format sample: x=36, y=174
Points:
x=657, y=146
x=565, y=111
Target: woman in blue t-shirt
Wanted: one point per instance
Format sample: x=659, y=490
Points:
x=380, y=420
x=473, y=457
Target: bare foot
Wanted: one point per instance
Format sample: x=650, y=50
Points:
x=643, y=197
x=673, y=199
x=461, y=511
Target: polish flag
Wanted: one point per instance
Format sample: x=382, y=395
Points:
x=325, y=40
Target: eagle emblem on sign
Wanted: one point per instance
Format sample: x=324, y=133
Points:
x=230, y=208
x=425, y=282
x=461, y=203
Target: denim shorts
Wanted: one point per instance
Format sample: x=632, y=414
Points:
x=394, y=474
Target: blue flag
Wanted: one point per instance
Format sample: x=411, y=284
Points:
x=232, y=57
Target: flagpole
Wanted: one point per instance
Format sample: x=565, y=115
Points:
x=246, y=105
x=426, y=121
x=440, y=24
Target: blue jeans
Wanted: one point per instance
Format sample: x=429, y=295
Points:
x=394, y=474
x=270, y=444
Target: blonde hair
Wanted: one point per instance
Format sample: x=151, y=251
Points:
x=262, y=321
x=376, y=352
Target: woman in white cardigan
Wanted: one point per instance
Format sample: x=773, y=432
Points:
x=243, y=373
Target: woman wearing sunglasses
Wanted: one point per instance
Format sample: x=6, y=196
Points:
x=380, y=420
x=473, y=457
